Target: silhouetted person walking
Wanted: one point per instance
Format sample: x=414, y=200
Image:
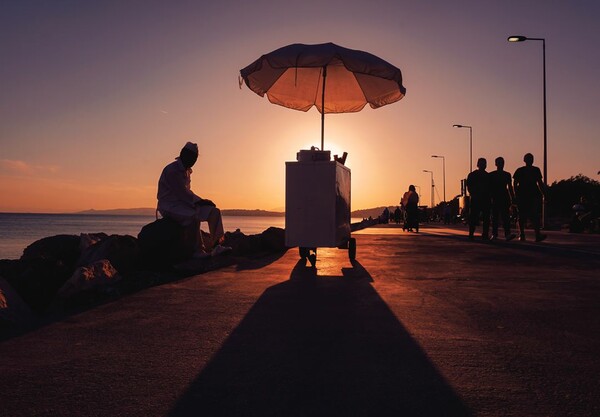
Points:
x=177, y=201
x=529, y=190
x=447, y=213
x=502, y=197
x=397, y=214
x=385, y=216
x=410, y=202
x=478, y=184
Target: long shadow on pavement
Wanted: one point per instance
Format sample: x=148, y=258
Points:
x=320, y=345
x=548, y=247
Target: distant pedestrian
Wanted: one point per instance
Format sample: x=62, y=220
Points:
x=447, y=213
x=410, y=203
x=502, y=198
x=385, y=216
x=478, y=184
x=397, y=215
x=529, y=191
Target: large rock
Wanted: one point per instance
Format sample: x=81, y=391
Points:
x=10, y=269
x=273, y=239
x=98, y=277
x=122, y=251
x=241, y=244
x=36, y=280
x=88, y=239
x=165, y=242
x=13, y=311
x=62, y=249
x=270, y=240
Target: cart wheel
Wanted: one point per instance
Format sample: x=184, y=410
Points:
x=352, y=248
x=303, y=253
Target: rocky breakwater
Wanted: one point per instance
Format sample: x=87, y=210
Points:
x=64, y=273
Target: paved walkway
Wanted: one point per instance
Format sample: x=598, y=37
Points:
x=424, y=324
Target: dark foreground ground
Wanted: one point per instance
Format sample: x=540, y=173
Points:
x=424, y=324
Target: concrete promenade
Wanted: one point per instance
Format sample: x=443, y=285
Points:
x=425, y=324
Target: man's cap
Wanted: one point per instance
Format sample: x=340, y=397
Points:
x=191, y=147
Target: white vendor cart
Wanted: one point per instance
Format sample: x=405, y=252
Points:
x=296, y=76
x=317, y=204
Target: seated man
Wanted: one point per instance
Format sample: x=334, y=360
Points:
x=177, y=201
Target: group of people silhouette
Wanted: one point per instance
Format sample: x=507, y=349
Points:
x=410, y=206
x=495, y=194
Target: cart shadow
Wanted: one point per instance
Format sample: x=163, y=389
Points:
x=320, y=345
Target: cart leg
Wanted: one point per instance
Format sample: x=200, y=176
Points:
x=303, y=253
x=352, y=249
x=312, y=258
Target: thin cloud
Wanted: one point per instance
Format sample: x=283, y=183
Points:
x=17, y=167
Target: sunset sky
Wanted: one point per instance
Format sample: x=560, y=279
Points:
x=98, y=96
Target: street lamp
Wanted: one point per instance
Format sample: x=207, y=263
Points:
x=470, y=145
x=520, y=38
x=444, y=171
x=432, y=186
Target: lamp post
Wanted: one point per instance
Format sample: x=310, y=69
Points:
x=470, y=145
x=432, y=187
x=443, y=172
x=520, y=38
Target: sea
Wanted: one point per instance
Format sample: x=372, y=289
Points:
x=19, y=230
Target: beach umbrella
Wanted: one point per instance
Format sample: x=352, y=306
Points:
x=332, y=78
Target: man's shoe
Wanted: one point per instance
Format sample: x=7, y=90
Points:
x=494, y=237
x=510, y=237
x=522, y=238
x=540, y=237
x=220, y=250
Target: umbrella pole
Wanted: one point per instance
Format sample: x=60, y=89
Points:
x=323, y=110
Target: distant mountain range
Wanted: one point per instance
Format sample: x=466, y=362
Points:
x=144, y=211
x=372, y=212
x=121, y=212
x=151, y=212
